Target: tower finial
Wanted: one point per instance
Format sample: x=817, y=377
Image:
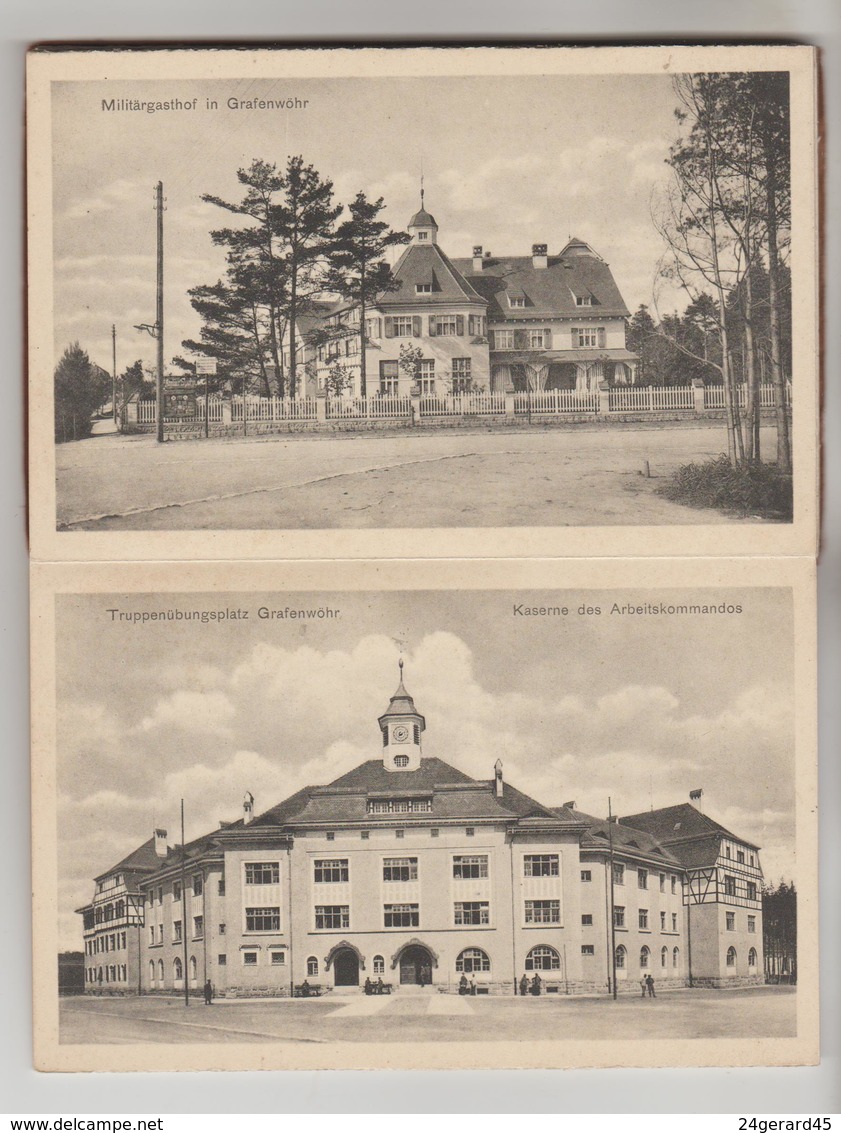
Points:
x=400, y=665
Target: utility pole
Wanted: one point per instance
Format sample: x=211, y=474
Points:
x=612, y=914
x=183, y=895
x=159, y=329
x=114, y=372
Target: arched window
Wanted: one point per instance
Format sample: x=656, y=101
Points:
x=645, y=956
x=177, y=968
x=193, y=969
x=401, y=761
x=675, y=957
x=542, y=959
x=312, y=966
x=664, y=957
x=152, y=972
x=379, y=966
x=474, y=960
x=161, y=972
x=731, y=957
x=621, y=955
x=752, y=960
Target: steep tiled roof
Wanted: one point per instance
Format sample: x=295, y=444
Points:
x=422, y=219
x=143, y=859
x=372, y=776
x=681, y=823
x=625, y=837
x=426, y=263
x=548, y=291
x=284, y=811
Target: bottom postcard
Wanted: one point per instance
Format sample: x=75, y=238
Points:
x=424, y=815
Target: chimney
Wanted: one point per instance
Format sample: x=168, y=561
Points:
x=614, y=819
x=247, y=808
x=160, y=843
x=539, y=257
x=498, y=777
x=570, y=804
x=477, y=257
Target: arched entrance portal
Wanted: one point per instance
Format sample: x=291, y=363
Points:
x=346, y=968
x=416, y=965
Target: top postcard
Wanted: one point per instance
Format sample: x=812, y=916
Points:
x=423, y=302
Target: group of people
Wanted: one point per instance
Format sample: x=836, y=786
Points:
x=373, y=987
x=531, y=986
x=647, y=985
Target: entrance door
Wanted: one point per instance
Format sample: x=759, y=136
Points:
x=346, y=969
x=415, y=965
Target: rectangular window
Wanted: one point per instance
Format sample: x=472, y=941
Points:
x=472, y=912
x=588, y=336
x=469, y=832
x=461, y=375
x=330, y=836
x=618, y=873
x=277, y=957
x=433, y=833
x=586, y=875
x=503, y=340
x=223, y=928
x=543, y=912
x=399, y=833
x=401, y=916
x=731, y=922
x=365, y=835
x=329, y=871
x=643, y=918
x=198, y=885
x=516, y=301
x=332, y=916
x=220, y=887
x=662, y=922
x=176, y=931
x=588, y=949
x=198, y=928
x=740, y=856
x=729, y=885
x=673, y=880
x=176, y=890
x=751, y=890
x=618, y=916
x=400, y=869
x=446, y=324
x=423, y=288
x=262, y=873
x=249, y=959
x=674, y=922
x=587, y=918
x=263, y=919
x=426, y=376
x=662, y=883
x=389, y=375
x=403, y=326
x=536, y=339
x=466, y=866
x=399, y=806
x=642, y=878
x=222, y=959
x=540, y=865
x=751, y=924
x=583, y=301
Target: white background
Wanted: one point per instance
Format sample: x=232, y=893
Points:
x=778, y=1091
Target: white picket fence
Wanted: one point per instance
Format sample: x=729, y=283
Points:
x=648, y=399
x=557, y=401
x=274, y=409
x=714, y=396
x=463, y=404
x=361, y=408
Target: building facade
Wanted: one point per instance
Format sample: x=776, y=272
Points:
x=536, y=322
x=409, y=871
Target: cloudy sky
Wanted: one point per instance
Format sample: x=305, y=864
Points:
x=507, y=162
x=582, y=707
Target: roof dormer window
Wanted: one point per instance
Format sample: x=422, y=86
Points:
x=584, y=300
x=516, y=301
x=423, y=288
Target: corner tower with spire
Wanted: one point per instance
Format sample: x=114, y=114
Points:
x=401, y=726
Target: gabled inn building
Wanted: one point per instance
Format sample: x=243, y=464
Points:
x=487, y=323
x=405, y=869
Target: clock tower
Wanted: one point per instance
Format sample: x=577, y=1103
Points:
x=401, y=726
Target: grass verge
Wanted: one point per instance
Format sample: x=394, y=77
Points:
x=756, y=489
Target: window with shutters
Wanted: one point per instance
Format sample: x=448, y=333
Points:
x=537, y=339
x=588, y=336
x=446, y=324
x=503, y=340
x=476, y=325
x=461, y=375
x=402, y=326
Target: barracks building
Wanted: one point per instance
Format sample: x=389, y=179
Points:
x=407, y=870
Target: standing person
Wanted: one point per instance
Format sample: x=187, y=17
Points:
x=643, y=985
x=524, y=985
x=208, y=993
x=535, y=984
x=650, y=983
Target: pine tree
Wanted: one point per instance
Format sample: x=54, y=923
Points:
x=80, y=389
x=358, y=271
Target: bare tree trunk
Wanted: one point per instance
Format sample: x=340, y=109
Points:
x=753, y=406
x=275, y=352
x=777, y=379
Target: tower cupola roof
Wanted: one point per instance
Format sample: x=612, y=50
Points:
x=423, y=219
x=401, y=703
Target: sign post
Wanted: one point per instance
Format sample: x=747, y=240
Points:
x=206, y=366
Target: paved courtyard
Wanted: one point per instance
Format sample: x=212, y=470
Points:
x=763, y=1012
x=553, y=477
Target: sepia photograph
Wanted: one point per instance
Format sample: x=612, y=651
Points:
x=358, y=298
x=562, y=825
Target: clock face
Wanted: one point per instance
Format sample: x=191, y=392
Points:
x=401, y=733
